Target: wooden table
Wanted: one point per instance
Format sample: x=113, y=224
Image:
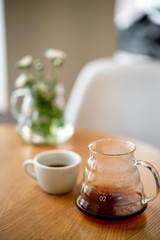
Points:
x=26, y=212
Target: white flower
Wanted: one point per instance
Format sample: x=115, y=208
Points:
x=55, y=53
x=25, y=62
x=59, y=102
x=39, y=66
x=22, y=79
x=42, y=88
x=59, y=89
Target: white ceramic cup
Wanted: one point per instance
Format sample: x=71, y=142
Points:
x=55, y=180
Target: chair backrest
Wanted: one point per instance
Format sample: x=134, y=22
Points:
x=121, y=99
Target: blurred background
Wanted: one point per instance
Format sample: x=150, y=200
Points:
x=121, y=32
x=82, y=29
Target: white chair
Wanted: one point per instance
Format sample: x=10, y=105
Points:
x=115, y=98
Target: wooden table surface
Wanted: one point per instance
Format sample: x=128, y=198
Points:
x=26, y=212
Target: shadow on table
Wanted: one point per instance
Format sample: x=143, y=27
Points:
x=135, y=222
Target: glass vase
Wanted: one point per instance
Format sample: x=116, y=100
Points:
x=40, y=121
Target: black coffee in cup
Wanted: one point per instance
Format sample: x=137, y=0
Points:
x=56, y=165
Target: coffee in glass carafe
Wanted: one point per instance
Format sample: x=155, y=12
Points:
x=111, y=187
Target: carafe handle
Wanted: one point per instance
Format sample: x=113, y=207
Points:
x=156, y=177
x=14, y=99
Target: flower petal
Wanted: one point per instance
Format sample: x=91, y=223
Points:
x=25, y=62
x=55, y=53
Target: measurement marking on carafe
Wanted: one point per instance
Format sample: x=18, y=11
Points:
x=102, y=198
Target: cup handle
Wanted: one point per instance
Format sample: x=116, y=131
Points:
x=27, y=170
x=14, y=98
x=156, y=178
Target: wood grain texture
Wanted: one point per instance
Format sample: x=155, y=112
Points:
x=26, y=212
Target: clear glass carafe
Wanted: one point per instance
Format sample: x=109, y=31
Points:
x=111, y=187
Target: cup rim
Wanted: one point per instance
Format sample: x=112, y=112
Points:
x=112, y=140
x=59, y=151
